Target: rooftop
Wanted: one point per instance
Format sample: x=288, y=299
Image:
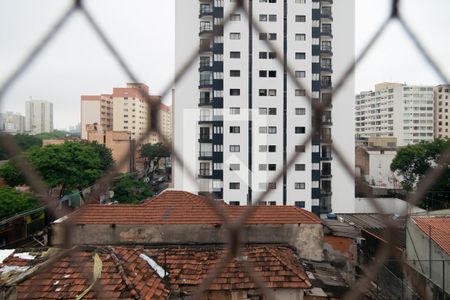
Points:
x=179, y=207
x=439, y=226
x=150, y=273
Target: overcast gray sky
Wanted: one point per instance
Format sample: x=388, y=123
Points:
x=76, y=62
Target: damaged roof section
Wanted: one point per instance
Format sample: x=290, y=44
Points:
x=150, y=273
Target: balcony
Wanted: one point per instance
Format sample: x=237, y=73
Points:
x=205, y=102
x=326, y=33
x=205, y=66
x=326, y=50
x=205, y=83
x=326, y=13
x=204, y=173
x=326, y=156
x=327, y=1
x=205, y=155
x=325, y=84
x=326, y=174
x=205, y=29
x=325, y=192
x=326, y=120
x=326, y=138
x=205, y=11
x=205, y=138
x=326, y=68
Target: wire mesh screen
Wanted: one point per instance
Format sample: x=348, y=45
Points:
x=38, y=185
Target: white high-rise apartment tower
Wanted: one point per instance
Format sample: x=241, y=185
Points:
x=239, y=117
x=397, y=110
x=38, y=116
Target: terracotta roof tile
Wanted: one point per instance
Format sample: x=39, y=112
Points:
x=179, y=207
x=440, y=229
x=126, y=272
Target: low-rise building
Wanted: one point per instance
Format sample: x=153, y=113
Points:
x=428, y=249
x=120, y=143
x=169, y=216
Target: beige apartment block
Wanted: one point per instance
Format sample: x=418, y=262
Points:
x=120, y=143
x=96, y=109
x=165, y=125
x=441, y=111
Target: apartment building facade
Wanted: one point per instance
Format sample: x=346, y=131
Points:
x=441, y=111
x=251, y=117
x=396, y=110
x=125, y=109
x=12, y=122
x=96, y=109
x=38, y=116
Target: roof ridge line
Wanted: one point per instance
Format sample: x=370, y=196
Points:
x=304, y=278
x=121, y=270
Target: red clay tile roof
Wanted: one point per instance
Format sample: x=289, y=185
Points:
x=179, y=207
x=127, y=274
x=189, y=266
x=440, y=229
x=124, y=275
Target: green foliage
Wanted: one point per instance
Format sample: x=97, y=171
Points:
x=105, y=155
x=13, y=202
x=55, y=134
x=130, y=190
x=71, y=165
x=413, y=161
x=152, y=155
x=24, y=141
x=11, y=174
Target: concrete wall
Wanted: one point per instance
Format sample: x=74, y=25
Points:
x=307, y=238
x=418, y=256
x=389, y=205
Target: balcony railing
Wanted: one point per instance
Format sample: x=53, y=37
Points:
x=326, y=49
x=205, y=11
x=205, y=154
x=325, y=84
x=206, y=118
x=326, y=68
x=204, y=137
x=205, y=101
x=326, y=156
x=205, y=29
x=205, y=172
x=205, y=83
x=326, y=32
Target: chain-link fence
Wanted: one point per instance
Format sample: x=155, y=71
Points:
x=233, y=227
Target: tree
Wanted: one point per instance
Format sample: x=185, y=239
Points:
x=130, y=190
x=24, y=141
x=105, y=155
x=66, y=166
x=13, y=202
x=413, y=161
x=152, y=155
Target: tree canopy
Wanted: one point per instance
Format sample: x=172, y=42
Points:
x=130, y=190
x=152, y=155
x=24, y=141
x=69, y=166
x=413, y=161
x=13, y=202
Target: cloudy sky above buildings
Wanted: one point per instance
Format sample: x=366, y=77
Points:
x=76, y=63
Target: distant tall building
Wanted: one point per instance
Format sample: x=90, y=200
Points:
x=441, y=111
x=38, y=116
x=125, y=109
x=12, y=122
x=239, y=116
x=396, y=110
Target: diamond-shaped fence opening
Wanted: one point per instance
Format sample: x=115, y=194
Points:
x=233, y=248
